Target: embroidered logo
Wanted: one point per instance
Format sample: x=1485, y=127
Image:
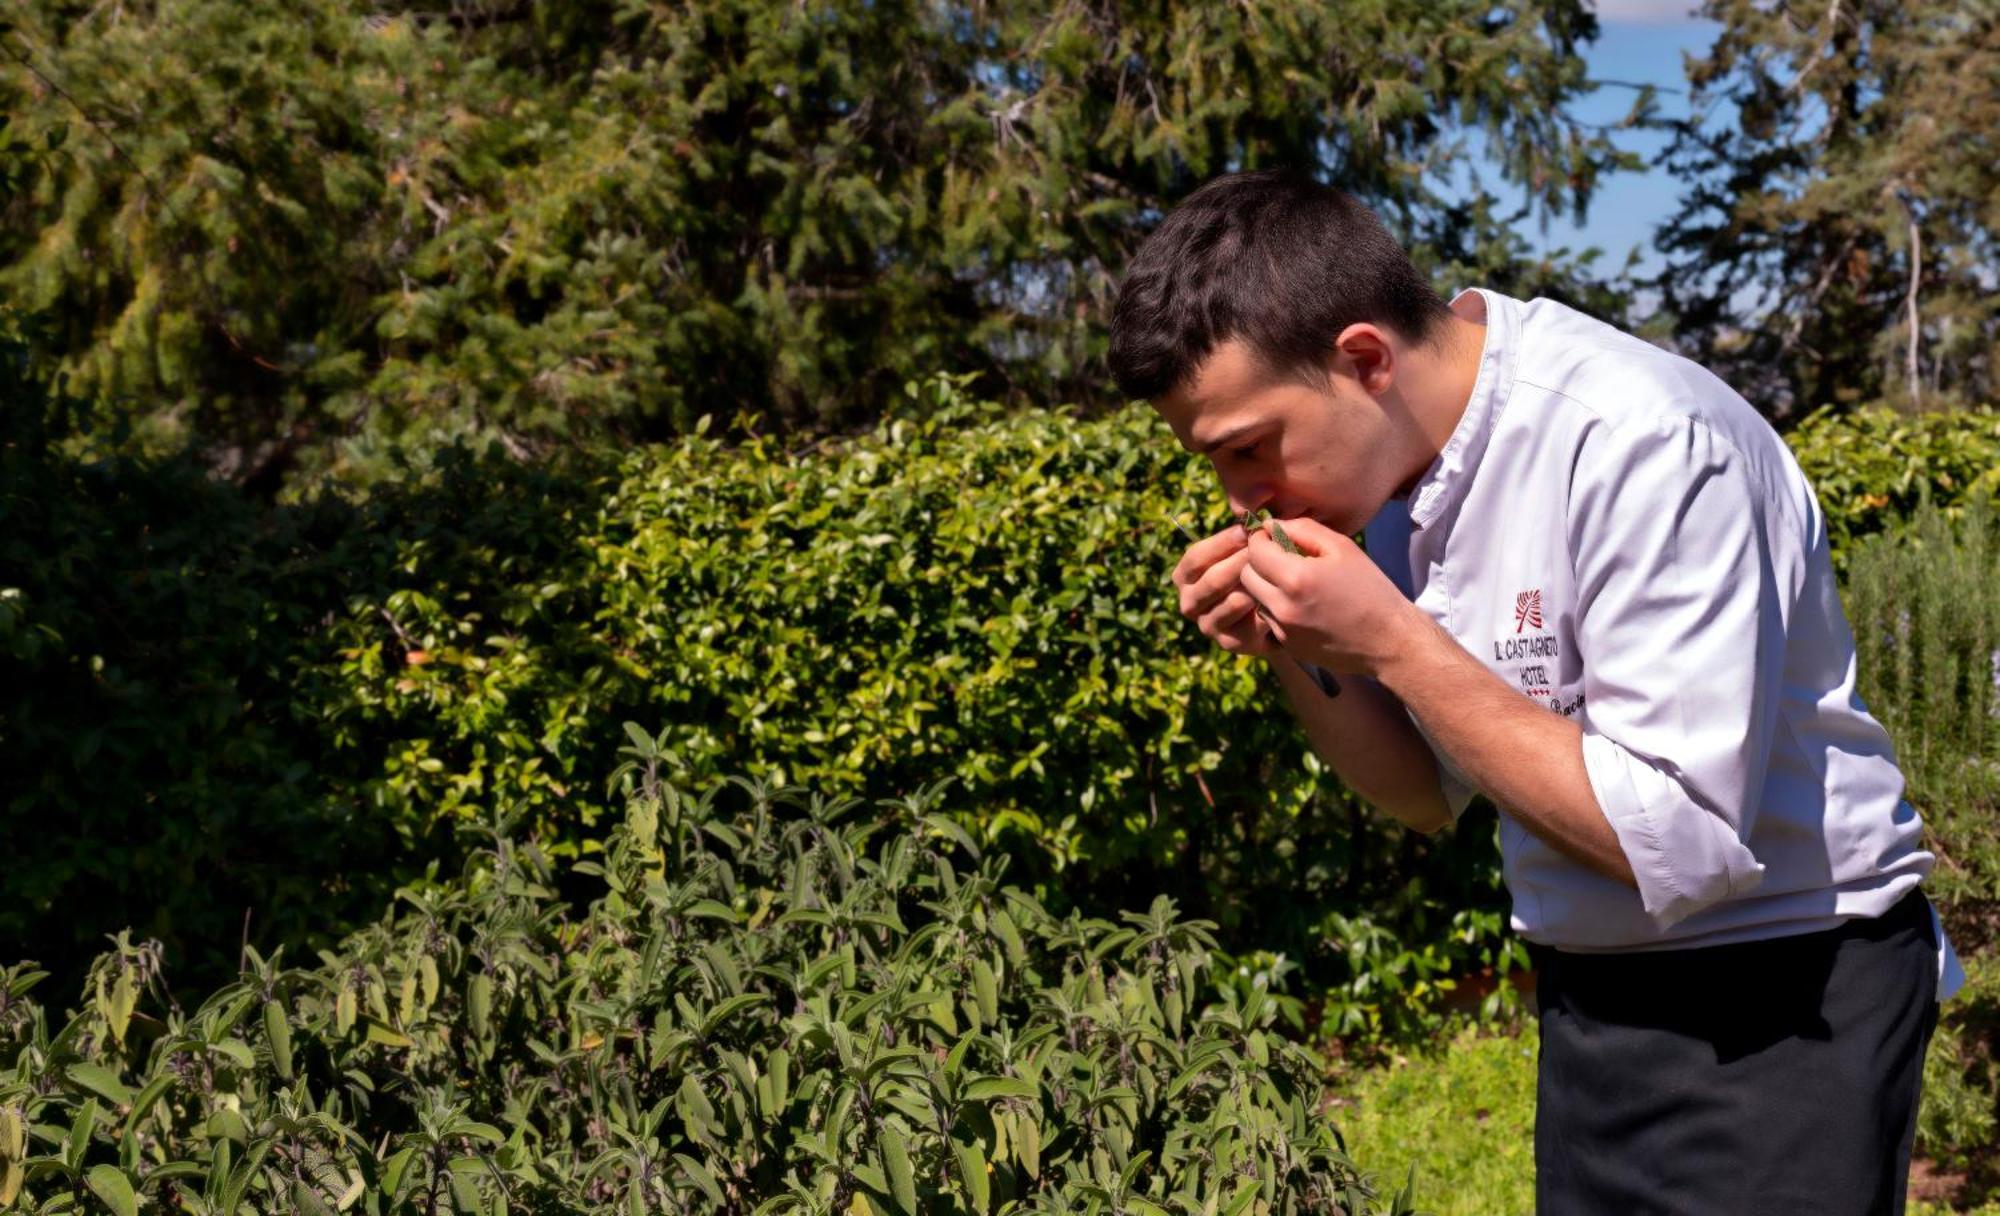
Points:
x=1528, y=610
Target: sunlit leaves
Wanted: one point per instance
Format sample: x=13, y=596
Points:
x=780, y=1001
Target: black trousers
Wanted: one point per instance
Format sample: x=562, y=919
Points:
x=1764, y=1077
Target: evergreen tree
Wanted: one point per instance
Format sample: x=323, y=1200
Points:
x=298, y=234
x=1838, y=242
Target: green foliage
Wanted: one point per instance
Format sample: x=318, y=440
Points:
x=279, y=713
x=303, y=699
x=1925, y=606
x=169, y=765
x=1924, y=600
x=964, y=594
x=787, y=1006
x=1870, y=467
x=1959, y=1125
x=1458, y=1115
x=296, y=235
x=1834, y=240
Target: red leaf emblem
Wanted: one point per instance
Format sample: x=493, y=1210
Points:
x=1528, y=609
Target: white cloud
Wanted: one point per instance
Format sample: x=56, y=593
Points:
x=1647, y=12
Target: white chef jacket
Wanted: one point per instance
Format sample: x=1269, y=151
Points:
x=1616, y=533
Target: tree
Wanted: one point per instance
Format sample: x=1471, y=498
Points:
x=297, y=235
x=1838, y=242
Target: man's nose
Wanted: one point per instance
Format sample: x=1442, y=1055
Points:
x=1252, y=498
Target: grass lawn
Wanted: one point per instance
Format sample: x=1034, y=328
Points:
x=1465, y=1117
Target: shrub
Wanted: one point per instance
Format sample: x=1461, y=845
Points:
x=169, y=761
x=230, y=710
x=973, y=595
x=790, y=1006
x=1871, y=466
x=1925, y=606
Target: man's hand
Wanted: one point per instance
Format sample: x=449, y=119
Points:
x=1212, y=596
x=1329, y=604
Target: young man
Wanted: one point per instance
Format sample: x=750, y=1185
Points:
x=1596, y=589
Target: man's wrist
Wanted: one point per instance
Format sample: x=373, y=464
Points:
x=1412, y=650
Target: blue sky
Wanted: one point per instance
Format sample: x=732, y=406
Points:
x=1642, y=42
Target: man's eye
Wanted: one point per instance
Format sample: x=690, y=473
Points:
x=1246, y=450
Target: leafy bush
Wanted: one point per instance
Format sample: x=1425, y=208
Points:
x=168, y=765
x=1925, y=605
x=790, y=1006
x=1924, y=600
x=972, y=595
x=1871, y=466
x=232, y=710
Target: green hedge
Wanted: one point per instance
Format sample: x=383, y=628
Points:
x=976, y=596
x=774, y=1004
x=280, y=713
x=1871, y=467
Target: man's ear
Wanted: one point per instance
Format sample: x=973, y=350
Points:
x=1367, y=355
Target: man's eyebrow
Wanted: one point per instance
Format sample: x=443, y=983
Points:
x=1226, y=438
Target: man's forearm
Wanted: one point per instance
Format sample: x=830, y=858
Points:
x=1364, y=735
x=1526, y=758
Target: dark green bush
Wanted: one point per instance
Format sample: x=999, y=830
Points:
x=775, y=1003
x=165, y=763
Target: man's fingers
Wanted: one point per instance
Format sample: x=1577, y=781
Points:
x=1237, y=627
x=1268, y=559
x=1204, y=554
x=1227, y=614
x=1311, y=536
x=1267, y=592
x=1213, y=584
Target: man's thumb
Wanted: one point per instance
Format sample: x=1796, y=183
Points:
x=1311, y=536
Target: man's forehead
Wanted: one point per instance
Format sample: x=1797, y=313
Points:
x=1205, y=405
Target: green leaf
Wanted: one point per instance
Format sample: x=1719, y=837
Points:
x=79, y=1134
x=986, y=990
x=307, y=1201
x=237, y=1051
x=479, y=1002
x=714, y=910
x=972, y=1167
x=702, y=1177
x=278, y=1034
x=388, y=1036
x=985, y=1089
x=394, y=1169
x=1028, y=1145
x=896, y=1163
x=465, y=1196
x=109, y=1183
x=101, y=1081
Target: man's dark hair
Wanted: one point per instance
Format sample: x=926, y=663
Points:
x=1283, y=262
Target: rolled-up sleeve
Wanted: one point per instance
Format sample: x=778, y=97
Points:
x=1681, y=611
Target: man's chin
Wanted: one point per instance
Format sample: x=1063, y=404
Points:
x=1333, y=522
x=1329, y=519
